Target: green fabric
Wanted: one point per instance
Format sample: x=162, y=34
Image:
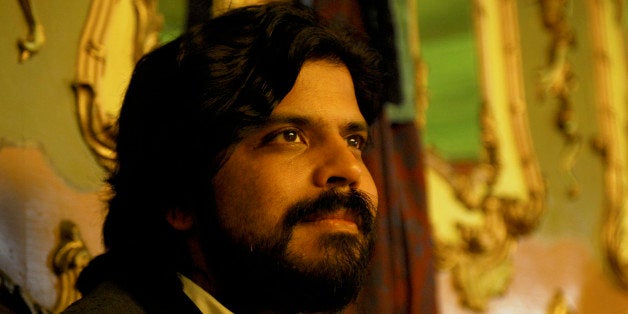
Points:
x=406, y=110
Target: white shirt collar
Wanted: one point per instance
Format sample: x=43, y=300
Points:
x=205, y=302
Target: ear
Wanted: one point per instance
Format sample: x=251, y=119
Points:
x=179, y=220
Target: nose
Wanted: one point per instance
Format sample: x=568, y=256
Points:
x=338, y=166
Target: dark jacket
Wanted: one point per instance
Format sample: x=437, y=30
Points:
x=111, y=285
x=109, y=297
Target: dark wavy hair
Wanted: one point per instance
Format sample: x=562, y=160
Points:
x=190, y=100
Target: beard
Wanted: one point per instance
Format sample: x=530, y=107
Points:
x=260, y=272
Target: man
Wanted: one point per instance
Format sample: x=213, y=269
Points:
x=240, y=184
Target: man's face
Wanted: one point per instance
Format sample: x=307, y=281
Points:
x=295, y=190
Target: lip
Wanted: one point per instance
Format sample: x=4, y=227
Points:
x=339, y=220
x=341, y=214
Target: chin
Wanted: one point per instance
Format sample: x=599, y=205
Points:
x=331, y=279
x=327, y=248
x=294, y=281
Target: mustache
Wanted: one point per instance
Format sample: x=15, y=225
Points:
x=357, y=204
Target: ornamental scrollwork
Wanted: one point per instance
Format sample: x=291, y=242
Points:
x=611, y=142
x=35, y=38
x=559, y=304
x=96, y=119
x=557, y=80
x=68, y=260
x=480, y=260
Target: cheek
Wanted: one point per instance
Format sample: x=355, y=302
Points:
x=250, y=201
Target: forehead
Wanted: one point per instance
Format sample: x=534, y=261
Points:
x=323, y=90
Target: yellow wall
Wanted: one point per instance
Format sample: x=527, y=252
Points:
x=37, y=100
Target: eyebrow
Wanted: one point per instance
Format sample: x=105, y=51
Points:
x=360, y=126
x=351, y=126
x=288, y=119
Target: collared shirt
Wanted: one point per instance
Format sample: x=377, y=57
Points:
x=201, y=298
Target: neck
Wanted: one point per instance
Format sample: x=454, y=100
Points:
x=199, y=271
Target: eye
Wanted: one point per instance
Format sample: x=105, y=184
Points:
x=291, y=136
x=356, y=141
x=284, y=136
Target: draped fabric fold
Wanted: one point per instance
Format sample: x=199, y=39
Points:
x=402, y=272
x=402, y=275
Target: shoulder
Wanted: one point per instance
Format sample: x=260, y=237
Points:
x=107, y=297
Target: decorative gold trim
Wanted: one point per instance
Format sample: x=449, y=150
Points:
x=557, y=81
x=481, y=262
x=619, y=10
x=559, y=304
x=612, y=143
x=524, y=217
x=420, y=68
x=35, y=38
x=68, y=260
x=149, y=24
x=98, y=129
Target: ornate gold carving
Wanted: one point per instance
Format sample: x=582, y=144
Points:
x=557, y=81
x=619, y=10
x=97, y=125
x=68, y=259
x=35, y=38
x=420, y=68
x=612, y=141
x=481, y=267
x=559, y=305
x=481, y=262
